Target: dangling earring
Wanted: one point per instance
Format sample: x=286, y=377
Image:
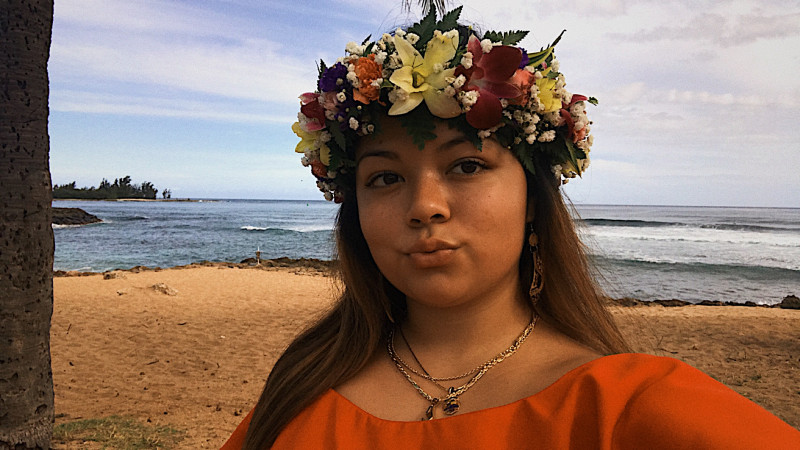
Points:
x=538, y=280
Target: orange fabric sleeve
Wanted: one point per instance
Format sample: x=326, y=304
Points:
x=618, y=401
x=236, y=441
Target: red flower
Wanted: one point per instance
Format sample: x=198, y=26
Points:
x=318, y=169
x=565, y=114
x=311, y=108
x=490, y=75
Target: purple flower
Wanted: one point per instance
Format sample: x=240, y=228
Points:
x=525, y=59
x=329, y=78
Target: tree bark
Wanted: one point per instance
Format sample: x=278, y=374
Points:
x=26, y=236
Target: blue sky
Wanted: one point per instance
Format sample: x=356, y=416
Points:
x=699, y=99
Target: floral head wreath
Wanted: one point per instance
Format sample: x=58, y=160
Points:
x=483, y=85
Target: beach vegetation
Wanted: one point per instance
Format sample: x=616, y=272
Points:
x=117, y=432
x=120, y=188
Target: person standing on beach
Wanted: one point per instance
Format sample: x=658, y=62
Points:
x=469, y=317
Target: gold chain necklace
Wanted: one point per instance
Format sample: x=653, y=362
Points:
x=451, y=403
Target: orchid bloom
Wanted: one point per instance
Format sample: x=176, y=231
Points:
x=311, y=108
x=491, y=75
x=547, y=96
x=309, y=141
x=425, y=78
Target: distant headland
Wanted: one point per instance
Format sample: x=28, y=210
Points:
x=120, y=189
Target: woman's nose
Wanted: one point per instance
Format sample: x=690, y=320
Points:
x=429, y=201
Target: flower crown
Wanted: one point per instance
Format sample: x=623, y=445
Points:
x=485, y=86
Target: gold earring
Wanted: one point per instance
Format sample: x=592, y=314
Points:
x=538, y=280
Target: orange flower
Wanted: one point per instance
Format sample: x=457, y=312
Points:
x=367, y=71
x=523, y=80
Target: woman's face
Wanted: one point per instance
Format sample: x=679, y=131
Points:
x=445, y=224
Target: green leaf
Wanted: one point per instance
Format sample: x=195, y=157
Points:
x=574, y=153
x=506, y=37
x=450, y=20
x=424, y=29
x=558, y=39
x=524, y=152
x=593, y=101
x=534, y=59
x=364, y=42
x=420, y=125
x=336, y=159
x=338, y=137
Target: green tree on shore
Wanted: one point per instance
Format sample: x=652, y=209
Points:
x=121, y=188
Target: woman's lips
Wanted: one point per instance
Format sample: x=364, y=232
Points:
x=431, y=253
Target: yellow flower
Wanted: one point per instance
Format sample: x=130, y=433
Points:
x=547, y=93
x=309, y=141
x=425, y=78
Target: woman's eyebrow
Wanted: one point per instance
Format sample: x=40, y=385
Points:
x=453, y=142
x=378, y=154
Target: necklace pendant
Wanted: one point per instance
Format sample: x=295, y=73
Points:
x=451, y=404
x=429, y=413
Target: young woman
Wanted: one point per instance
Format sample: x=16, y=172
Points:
x=469, y=317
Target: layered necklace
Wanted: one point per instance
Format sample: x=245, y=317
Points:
x=450, y=401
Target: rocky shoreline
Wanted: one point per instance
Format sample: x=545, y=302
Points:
x=73, y=216
x=324, y=268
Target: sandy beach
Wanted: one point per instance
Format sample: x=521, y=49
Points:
x=190, y=347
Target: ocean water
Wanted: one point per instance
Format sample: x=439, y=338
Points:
x=646, y=252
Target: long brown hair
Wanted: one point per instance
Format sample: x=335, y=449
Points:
x=341, y=343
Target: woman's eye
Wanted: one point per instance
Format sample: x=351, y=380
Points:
x=468, y=167
x=383, y=179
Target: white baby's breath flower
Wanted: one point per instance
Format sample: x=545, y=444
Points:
x=484, y=134
x=353, y=48
x=328, y=196
x=466, y=60
x=531, y=138
x=450, y=91
x=469, y=98
x=341, y=96
x=399, y=32
x=486, y=45
x=377, y=82
x=324, y=137
x=353, y=123
x=547, y=136
x=452, y=34
x=555, y=65
x=394, y=61
x=304, y=161
x=370, y=128
x=353, y=79
x=380, y=57
x=412, y=38
x=504, y=102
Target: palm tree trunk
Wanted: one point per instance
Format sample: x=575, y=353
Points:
x=26, y=236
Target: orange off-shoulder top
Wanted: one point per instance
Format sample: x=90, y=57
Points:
x=618, y=401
